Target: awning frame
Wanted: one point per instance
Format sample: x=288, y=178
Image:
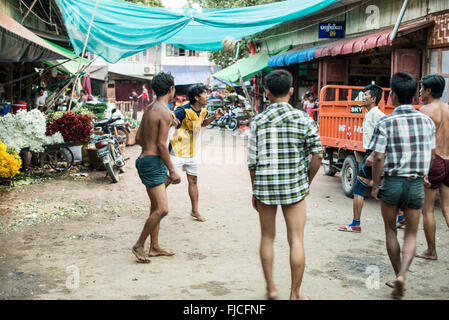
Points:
x=23, y=45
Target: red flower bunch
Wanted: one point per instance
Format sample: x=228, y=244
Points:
x=73, y=127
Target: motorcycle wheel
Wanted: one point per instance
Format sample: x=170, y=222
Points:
x=110, y=168
x=233, y=124
x=122, y=136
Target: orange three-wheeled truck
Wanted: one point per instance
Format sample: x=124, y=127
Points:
x=340, y=126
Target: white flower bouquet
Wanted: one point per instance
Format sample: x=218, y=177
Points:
x=26, y=129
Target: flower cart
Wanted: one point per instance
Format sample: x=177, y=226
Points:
x=56, y=158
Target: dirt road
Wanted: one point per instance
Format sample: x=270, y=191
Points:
x=53, y=230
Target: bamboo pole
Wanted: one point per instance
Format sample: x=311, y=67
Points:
x=82, y=55
x=65, y=87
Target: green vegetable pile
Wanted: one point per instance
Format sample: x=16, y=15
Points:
x=133, y=124
x=58, y=114
x=97, y=109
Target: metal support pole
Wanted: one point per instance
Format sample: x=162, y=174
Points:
x=237, y=51
x=398, y=22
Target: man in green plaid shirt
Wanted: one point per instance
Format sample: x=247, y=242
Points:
x=279, y=148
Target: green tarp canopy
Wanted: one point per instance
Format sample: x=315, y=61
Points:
x=70, y=67
x=121, y=29
x=248, y=68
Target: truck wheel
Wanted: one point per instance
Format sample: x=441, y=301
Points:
x=328, y=167
x=328, y=171
x=349, y=173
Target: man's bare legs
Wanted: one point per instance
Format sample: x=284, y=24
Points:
x=158, y=197
x=267, y=217
x=429, y=219
x=429, y=224
x=444, y=201
x=155, y=249
x=389, y=213
x=194, y=195
x=409, y=247
x=295, y=219
x=357, y=207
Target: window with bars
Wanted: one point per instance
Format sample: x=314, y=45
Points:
x=172, y=51
x=439, y=63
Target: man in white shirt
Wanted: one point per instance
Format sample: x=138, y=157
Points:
x=372, y=97
x=41, y=99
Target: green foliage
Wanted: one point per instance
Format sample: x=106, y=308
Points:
x=224, y=59
x=229, y=3
x=97, y=109
x=149, y=3
x=221, y=58
x=53, y=116
x=133, y=124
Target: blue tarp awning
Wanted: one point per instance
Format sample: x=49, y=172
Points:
x=185, y=75
x=121, y=29
x=292, y=56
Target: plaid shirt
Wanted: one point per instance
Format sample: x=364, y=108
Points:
x=407, y=138
x=280, y=143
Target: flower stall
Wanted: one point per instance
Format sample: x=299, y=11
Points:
x=49, y=139
x=10, y=162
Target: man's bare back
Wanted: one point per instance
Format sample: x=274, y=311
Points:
x=149, y=130
x=438, y=111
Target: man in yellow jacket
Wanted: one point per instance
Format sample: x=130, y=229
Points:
x=191, y=116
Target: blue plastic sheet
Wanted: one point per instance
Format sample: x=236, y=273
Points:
x=287, y=58
x=121, y=29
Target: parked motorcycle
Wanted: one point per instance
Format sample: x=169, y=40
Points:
x=108, y=149
x=121, y=126
x=213, y=124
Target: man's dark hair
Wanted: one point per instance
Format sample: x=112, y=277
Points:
x=279, y=82
x=435, y=83
x=133, y=90
x=195, y=91
x=404, y=85
x=83, y=91
x=375, y=91
x=41, y=88
x=161, y=83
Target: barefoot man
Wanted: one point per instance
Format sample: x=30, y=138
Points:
x=154, y=162
x=191, y=117
x=432, y=87
x=403, y=144
x=280, y=144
